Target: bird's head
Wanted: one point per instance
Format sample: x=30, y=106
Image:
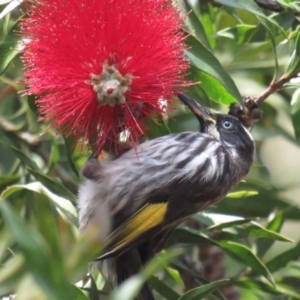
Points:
x=228, y=130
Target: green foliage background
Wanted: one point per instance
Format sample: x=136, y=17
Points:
x=235, y=250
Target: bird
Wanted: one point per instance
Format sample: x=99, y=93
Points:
x=137, y=199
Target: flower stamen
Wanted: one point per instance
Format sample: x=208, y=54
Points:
x=110, y=85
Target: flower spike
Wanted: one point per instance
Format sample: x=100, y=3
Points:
x=99, y=67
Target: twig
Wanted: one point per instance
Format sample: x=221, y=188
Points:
x=274, y=87
x=249, y=113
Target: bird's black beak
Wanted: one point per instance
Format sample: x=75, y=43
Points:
x=200, y=112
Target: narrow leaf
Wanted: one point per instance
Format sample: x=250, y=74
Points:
x=254, y=229
x=270, y=25
x=129, y=289
x=11, y=271
x=22, y=157
x=246, y=256
x=11, y=6
x=195, y=24
x=275, y=224
x=294, y=63
x=205, y=61
x=69, y=146
x=187, y=237
x=65, y=208
x=200, y=279
x=242, y=194
x=248, y=5
x=228, y=224
x=295, y=106
x=281, y=260
x=163, y=289
x=241, y=33
x=212, y=87
x=267, y=288
x=7, y=49
x=48, y=275
x=200, y=292
x=53, y=186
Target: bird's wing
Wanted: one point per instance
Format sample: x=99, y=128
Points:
x=151, y=167
x=147, y=188
x=142, y=224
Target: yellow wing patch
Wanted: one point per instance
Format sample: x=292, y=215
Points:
x=146, y=218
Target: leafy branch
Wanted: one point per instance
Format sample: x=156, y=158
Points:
x=34, y=143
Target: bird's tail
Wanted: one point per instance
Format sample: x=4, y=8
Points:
x=118, y=269
x=129, y=264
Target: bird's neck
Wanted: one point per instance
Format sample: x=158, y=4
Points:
x=241, y=159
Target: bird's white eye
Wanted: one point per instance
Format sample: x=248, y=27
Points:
x=227, y=124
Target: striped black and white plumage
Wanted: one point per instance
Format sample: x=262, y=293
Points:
x=149, y=190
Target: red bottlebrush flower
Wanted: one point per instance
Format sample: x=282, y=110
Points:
x=101, y=66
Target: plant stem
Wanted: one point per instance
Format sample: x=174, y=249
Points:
x=274, y=87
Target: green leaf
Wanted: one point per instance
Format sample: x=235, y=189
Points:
x=251, y=6
x=295, y=106
x=285, y=290
x=174, y=274
x=53, y=157
x=44, y=207
x=208, y=19
x=160, y=261
x=8, y=180
x=195, y=23
x=53, y=186
x=163, y=289
x=11, y=6
x=246, y=256
x=248, y=5
x=294, y=63
x=218, y=221
x=228, y=224
x=129, y=289
x=187, y=237
x=200, y=292
x=69, y=146
x=83, y=253
x=253, y=229
x=281, y=260
x=275, y=224
x=212, y=87
x=238, y=251
x=252, y=284
x=203, y=59
x=78, y=294
x=7, y=49
x=200, y=279
x=11, y=271
x=242, y=194
x=32, y=104
x=64, y=206
x=22, y=157
x=241, y=33
x=260, y=203
x=48, y=274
